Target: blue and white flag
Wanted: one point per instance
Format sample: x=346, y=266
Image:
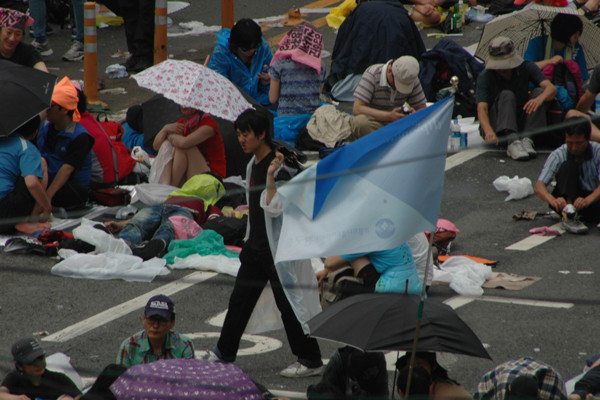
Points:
x=372, y=194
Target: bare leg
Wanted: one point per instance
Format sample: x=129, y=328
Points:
x=359, y=264
x=595, y=134
x=426, y=13
x=187, y=163
x=196, y=163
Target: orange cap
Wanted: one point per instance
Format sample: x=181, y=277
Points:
x=65, y=95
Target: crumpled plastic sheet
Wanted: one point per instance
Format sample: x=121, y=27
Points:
x=517, y=188
x=108, y=266
x=464, y=275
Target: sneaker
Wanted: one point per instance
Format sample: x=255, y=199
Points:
x=528, y=146
x=297, y=370
x=43, y=48
x=574, y=225
x=150, y=249
x=75, y=53
x=516, y=151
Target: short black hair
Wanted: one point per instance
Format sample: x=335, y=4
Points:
x=81, y=101
x=419, y=384
x=29, y=128
x=245, y=34
x=579, y=126
x=563, y=26
x=256, y=120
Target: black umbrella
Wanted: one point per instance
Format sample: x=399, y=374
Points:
x=26, y=92
x=387, y=321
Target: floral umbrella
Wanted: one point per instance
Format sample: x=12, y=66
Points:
x=193, y=85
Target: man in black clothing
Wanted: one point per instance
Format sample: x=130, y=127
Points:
x=138, y=16
x=257, y=266
x=32, y=379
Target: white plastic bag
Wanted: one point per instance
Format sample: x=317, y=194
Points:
x=150, y=194
x=517, y=188
x=464, y=275
x=165, y=154
x=103, y=241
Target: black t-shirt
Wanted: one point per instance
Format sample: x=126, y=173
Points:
x=25, y=54
x=257, y=240
x=52, y=386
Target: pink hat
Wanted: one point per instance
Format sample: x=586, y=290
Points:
x=14, y=19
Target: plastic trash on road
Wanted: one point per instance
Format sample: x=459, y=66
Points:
x=517, y=188
x=116, y=71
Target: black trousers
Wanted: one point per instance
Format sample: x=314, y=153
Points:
x=139, y=27
x=569, y=188
x=255, y=271
x=17, y=205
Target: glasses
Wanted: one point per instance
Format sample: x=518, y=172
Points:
x=158, y=321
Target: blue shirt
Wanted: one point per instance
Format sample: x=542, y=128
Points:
x=537, y=48
x=300, y=86
x=397, y=269
x=18, y=157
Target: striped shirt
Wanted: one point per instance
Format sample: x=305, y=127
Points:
x=137, y=350
x=375, y=90
x=589, y=177
x=495, y=383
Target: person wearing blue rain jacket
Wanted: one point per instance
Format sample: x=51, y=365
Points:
x=243, y=56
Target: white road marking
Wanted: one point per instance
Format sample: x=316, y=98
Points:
x=526, y=302
x=262, y=344
x=534, y=240
x=122, y=309
x=462, y=157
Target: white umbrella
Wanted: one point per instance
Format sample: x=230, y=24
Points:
x=193, y=85
x=532, y=21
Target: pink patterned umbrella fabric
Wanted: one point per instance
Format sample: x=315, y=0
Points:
x=193, y=85
x=182, y=378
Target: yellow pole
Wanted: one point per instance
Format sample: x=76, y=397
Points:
x=227, y=18
x=160, y=31
x=90, y=49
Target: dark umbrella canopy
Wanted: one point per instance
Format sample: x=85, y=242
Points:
x=387, y=321
x=183, y=378
x=26, y=92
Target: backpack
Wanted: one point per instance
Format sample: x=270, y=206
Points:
x=565, y=75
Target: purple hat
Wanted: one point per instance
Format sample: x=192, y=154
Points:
x=14, y=19
x=160, y=305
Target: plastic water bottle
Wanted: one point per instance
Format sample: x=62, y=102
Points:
x=454, y=135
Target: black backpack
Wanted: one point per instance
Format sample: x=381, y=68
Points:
x=562, y=76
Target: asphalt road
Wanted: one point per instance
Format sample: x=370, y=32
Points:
x=555, y=324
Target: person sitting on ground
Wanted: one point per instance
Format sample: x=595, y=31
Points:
x=382, y=271
x=158, y=340
x=22, y=179
x=197, y=147
x=352, y=373
x=429, y=378
x=386, y=93
x=561, y=45
x=12, y=28
x=588, y=387
x=575, y=165
x=496, y=382
x=243, y=56
x=31, y=379
x=504, y=107
x=298, y=71
x=67, y=148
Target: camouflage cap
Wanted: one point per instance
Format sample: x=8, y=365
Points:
x=502, y=54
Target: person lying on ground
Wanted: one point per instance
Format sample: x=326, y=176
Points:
x=429, y=378
x=197, y=147
x=157, y=340
x=386, y=93
x=31, y=380
x=575, y=165
x=151, y=230
x=257, y=264
x=350, y=374
x=496, y=382
x=12, y=28
x=23, y=180
x=67, y=148
x=504, y=106
x=588, y=387
x=391, y=270
x=242, y=56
